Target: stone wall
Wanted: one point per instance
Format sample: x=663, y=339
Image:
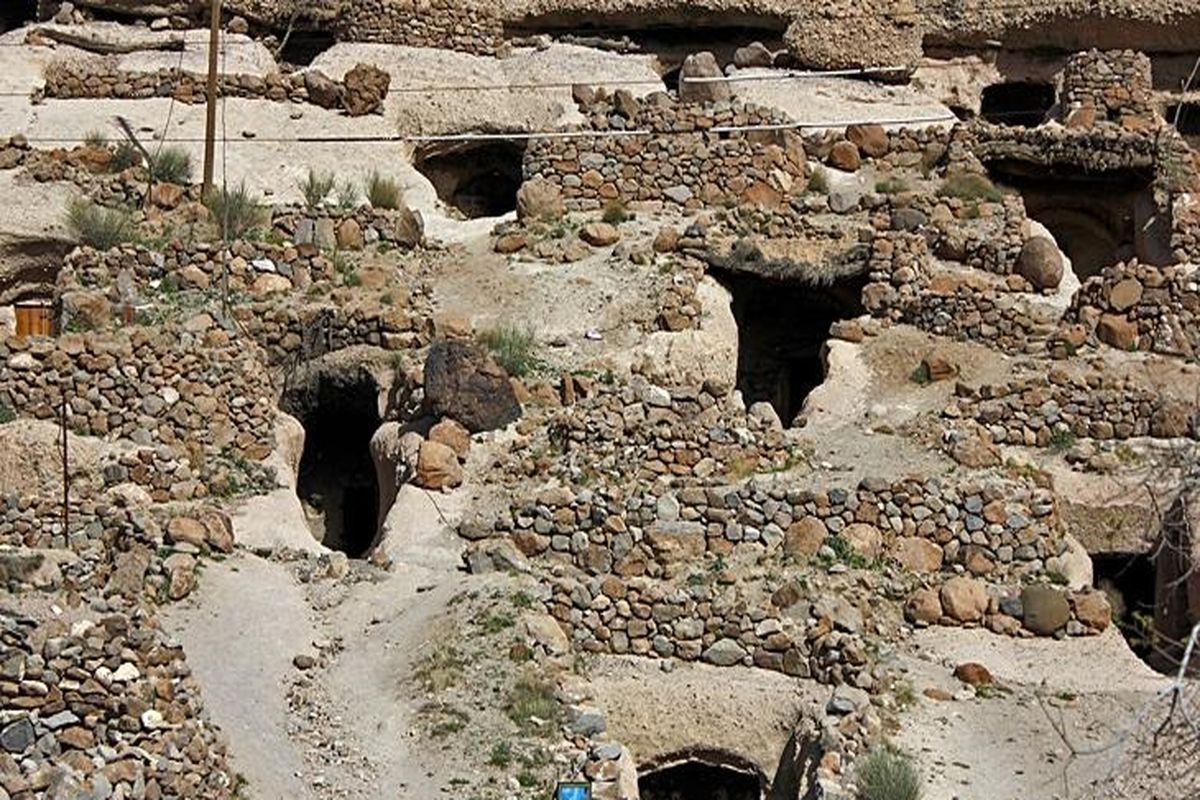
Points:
x=1138, y=306
x=447, y=24
x=204, y=394
x=1108, y=86
x=677, y=161
x=927, y=526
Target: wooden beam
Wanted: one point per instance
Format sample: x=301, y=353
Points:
x=210, y=126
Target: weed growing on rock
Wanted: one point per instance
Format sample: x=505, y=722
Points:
x=888, y=774
x=615, y=213
x=172, y=165
x=347, y=197
x=316, y=187
x=97, y=226
x=95, y=139
x=819, y=181
x=893, y=185
x=501, y=755
x=440, y=670
x=970, y=186
x=514, y=348
x=533, y=706
x=920, y=375
x=1062, y=439
x=7, y=415
x=383, y=192
x=125, y=156
x=235, y=211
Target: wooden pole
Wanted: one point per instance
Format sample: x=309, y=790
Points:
x=210, y=126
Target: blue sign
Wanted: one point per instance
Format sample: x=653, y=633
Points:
x=573, y=791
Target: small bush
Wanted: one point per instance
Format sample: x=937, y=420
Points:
x=347, y=197
x=888, y=774
x=501, y=755
x=234, y=211
x=316, y=187
x=1062, y=439
x=819, y=181
x=514, y=348
x=125, y=156
x=7, y=415
x=383, y=192
x=95, y=139
x=172, y=165
x=99, y=227
x=532, y=705
x=891, y=186
x=970, y=186
x=615, y=213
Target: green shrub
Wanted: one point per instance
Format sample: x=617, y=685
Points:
x=383, y=192
x=172, y=165
x=514, y=348
x=235, y=211
x=347, y=197
x=894, y=185
x=501, y=755
x=888, y=774
x=95, y=139
x=970, y=186
x=532, y=705
x=126, y=155
x=7, y=415
x=819, y=181
x=615, y=213
x=316, y=187
x=99, y=227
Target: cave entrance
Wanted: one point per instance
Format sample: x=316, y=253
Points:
x=480, y=179
x=1022, y=103
x=301, y=48
x=1128, y=581
x=1098, y=218
x=336, y=482
x=782, y=329
x=1186, y=119
x=696, y=779
x=17, y=13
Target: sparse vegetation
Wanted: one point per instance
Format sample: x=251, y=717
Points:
x=920, y=375
x=383, y=192
x=888, y=774
x=316, y=187
x=125, y=156
x=172, y=165
x=615, y=213
x=7, y=415
x=97, y=226
x=1062, y=439
x=347, y=197
x=533, y=706
x=892, y=185
x=501, y=755
x=970, y=186
x=819, y=181
x=514, y=348
x=440, y=670
x=95, y=139
x=235, y=211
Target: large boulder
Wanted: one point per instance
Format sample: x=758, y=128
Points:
x=540, y=199
x=463, y=382
x=409, y=230
x=703, y=65
x=322, y=90
x=365, y=87
x=964, y=599
x=437, y=467
x=1041, y=263
x=871, y=140
x=1046, y=609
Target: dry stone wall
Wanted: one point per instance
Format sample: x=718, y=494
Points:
x=1140, y=306
x=1108, y=86
x=676, y=162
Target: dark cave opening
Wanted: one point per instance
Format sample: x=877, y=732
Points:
x=1097, y=218
x=697, y=780
x=1128, y=579
x=1023, y=104
x=336, y=481
x=17, y=13
x=480, y=179
x=782, y=330
x=1186, y=119
x=302, y=47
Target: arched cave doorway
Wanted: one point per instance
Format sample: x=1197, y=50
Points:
x=17, y=13
x=702, y=776
x=1097, y=218
x=301, y=48
x=782, y=330
x=480, y=179
x=336, y=482
x=1020, y=103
